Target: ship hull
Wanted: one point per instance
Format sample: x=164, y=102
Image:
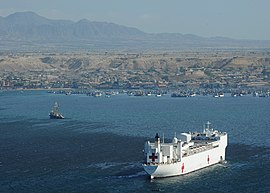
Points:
x=56, y=116
x=187, y=164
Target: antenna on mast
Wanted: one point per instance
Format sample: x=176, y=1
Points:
x=163, y=138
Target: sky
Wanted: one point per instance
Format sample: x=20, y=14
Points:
x=239, y=19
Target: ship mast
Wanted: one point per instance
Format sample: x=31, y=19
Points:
x=163, y=138
x=208, y=130
x=208, y=125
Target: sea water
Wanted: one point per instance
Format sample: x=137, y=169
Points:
x=98, y=147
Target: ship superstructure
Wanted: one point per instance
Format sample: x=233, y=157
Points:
x=55, y=114
x=191, y=151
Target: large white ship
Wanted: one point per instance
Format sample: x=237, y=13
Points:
x=191, y=152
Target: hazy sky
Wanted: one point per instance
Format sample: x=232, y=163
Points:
x=244, y=19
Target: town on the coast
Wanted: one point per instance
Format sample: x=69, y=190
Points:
x=185, y=74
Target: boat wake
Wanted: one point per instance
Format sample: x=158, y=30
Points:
x=136, y=175
x=104, y=166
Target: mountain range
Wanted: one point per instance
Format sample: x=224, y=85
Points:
x=29, y=31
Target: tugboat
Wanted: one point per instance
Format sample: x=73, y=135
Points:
x=55, y=114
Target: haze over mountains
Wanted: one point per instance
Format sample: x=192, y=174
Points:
x=29, y=31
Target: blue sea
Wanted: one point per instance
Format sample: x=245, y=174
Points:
x=98, y=147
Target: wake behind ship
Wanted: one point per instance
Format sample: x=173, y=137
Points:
x=191, y=152
x=55, y=114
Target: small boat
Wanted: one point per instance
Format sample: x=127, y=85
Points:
x=55, y=114
x=217, y=95
x=158, y=95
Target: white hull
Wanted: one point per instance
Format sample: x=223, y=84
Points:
x=187, y=164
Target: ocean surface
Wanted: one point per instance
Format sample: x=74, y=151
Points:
x=98, y=147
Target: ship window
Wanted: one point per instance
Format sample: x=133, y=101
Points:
x=168, y=156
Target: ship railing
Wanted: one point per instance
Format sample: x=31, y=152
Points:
x=161, y=163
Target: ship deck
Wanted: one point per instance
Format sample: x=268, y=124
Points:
x=199, y=146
